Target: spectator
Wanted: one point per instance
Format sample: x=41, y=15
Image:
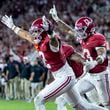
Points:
x=25, y=75
x=46, y=71
x=13, y=73
x=37, y=77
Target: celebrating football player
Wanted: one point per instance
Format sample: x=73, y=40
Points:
x=94, y=51
x=49, y=46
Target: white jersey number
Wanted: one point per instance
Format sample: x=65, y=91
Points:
x=41, y=54
x=87, y=55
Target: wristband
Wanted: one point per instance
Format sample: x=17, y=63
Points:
x=100, y=57
x=16, y=29
x=13, y=27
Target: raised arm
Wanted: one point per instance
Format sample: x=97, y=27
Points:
x=65, y=27
x=35, y=35
x=8, y=21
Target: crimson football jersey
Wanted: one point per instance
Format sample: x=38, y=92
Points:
x=76, y=66
x=53, y=60
x=89, y=51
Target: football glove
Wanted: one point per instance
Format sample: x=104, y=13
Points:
x=8, y=21
x=45, y=24
x=53, y=13
x=90, y=65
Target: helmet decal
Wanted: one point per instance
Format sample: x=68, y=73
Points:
x=84, y=27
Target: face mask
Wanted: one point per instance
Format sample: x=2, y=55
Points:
x=81, y=33
x=37, y=37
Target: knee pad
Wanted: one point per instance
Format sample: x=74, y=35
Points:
x=38, y=100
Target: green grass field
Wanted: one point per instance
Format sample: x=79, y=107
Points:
x=22, y=105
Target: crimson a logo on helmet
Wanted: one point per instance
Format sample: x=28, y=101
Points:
x=87, y=22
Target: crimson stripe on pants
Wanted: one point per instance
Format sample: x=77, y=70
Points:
x=59, y=88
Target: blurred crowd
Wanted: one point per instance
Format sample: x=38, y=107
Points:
x=25, y=11
x=21, y=80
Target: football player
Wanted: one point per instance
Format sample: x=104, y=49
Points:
x=94, y=51
x=77, y=67
x=72, y=58
x=49, y=46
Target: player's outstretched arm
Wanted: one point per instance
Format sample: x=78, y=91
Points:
x=65, y=27
x=8, y=21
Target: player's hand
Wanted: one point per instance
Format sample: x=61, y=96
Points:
x=90, y=65
x=53, y=13
x=8, y=21
x=45, y=24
